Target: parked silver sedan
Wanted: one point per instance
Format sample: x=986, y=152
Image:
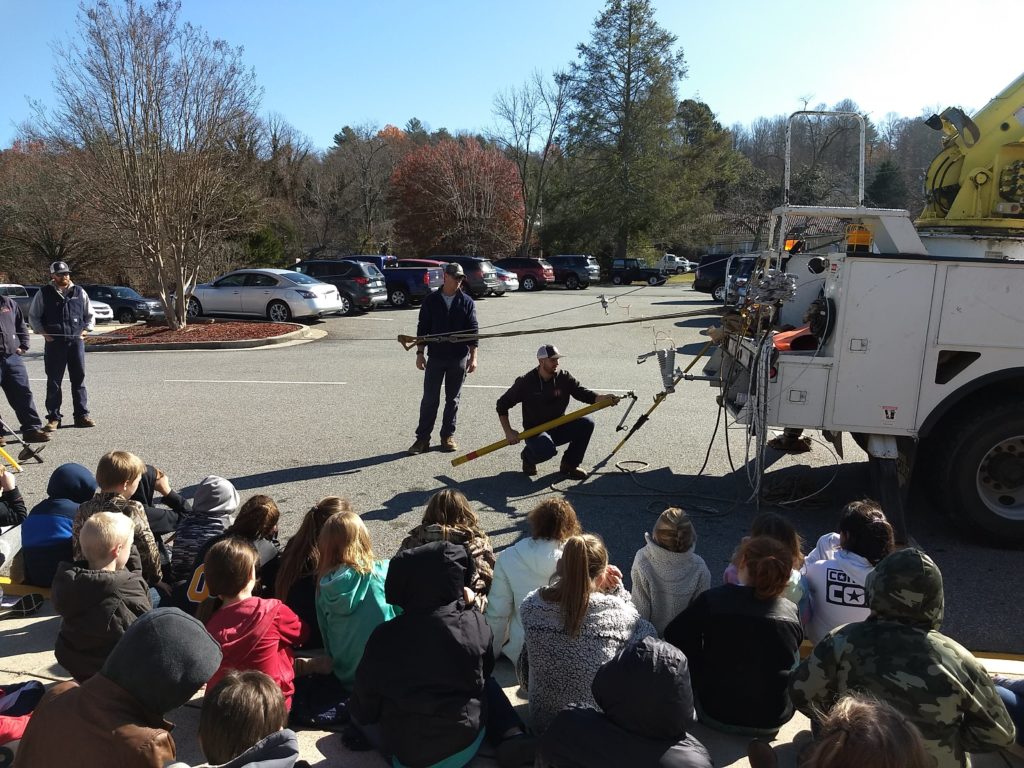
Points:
x=277, y=294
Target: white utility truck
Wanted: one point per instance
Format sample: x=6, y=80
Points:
x=914, y=336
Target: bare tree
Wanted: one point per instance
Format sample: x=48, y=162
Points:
x=151, y=114
x=368, y=156
x=529, y=119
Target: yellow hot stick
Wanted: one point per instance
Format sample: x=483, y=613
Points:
x=535, y=430
x=15, y=467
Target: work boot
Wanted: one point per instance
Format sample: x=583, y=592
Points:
x=421, y=445
x=573, y=473
x=35, y=436
x=448, y=444
x=84, y=421
x=52, y=425
x=529, y=468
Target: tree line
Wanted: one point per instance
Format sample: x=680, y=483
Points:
x=155, y=167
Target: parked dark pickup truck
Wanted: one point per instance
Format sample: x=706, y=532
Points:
x=631, y=270
x=405, y=285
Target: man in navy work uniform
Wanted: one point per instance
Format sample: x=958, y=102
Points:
x=13, y=376
x=544, y=393
x=62, y=314
x=447, y=310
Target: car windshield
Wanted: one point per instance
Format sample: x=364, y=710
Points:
x=298, y=278
x=126, y=293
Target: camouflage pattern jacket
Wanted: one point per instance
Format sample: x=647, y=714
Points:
x=475, y=541
x=899, y=656
x=145, y=553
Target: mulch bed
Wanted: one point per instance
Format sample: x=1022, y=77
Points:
x=192, y=333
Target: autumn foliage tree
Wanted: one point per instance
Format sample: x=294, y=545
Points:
x=457, y=196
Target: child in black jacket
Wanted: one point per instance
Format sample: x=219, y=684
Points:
x=423, y=691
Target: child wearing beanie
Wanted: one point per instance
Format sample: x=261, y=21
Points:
x=667, y=574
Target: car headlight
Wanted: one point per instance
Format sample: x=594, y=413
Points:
x=306, y=294
x=141, y=304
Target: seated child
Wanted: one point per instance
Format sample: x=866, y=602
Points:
x=253, y=632
x=297, y=575
x=835, y=587
x=448, y=517
x=99, y=599
x=646, y=708
x=780, y=529
x=116, y=717
x=243, y=723
x=424, y=683
x=859, y=731
x=350, y=601
x=165, y=516
x=257, y=524
x=527, y=565
x=741, y=640
x=667, y=573
x=12, y=505
x=213, y=509
x=46, y=532
x=118, y=475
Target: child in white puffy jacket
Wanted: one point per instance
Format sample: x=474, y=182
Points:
x=527, y=565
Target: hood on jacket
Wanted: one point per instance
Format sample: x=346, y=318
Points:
x=645, y=690
x=163, y=659
x=278, y=750
x=78, y=590
x=215, y=495
x=423, y=579
x=538, y=557
x=71, y=481
x=906, y=586
x=253, y=618
x=344, y=588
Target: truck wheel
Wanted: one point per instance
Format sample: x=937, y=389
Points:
x=679, y=270
x=984, y=470
x=655, y=280
x=528, y=283
x=572, y=282
x=398, y=298
x=616, y=279
x=718, y=292
x=125, y=316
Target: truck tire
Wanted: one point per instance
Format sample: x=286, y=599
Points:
x=718, y=292
x=572, y=282
x=983, y=470
x=655, y=280
x=398, y=297
x=616, y=279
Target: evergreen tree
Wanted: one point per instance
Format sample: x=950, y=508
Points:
x=887, y=189
x=621, y=121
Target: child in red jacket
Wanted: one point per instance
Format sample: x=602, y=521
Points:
x=253, y=632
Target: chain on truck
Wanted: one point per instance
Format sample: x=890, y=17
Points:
x=909, y=335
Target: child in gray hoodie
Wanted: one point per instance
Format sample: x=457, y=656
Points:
x=214, y=506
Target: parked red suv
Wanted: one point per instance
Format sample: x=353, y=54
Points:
x=532, y=273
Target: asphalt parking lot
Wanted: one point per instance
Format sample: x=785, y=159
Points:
x=334, y=417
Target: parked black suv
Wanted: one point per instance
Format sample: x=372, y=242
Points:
x=480, y=275
x=575, y=271
x=710, y=275
x=360, y=284
x=626, y=271
x=127, y=303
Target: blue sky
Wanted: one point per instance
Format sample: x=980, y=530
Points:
x=324, y=65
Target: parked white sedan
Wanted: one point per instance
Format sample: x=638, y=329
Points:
x=277, y=294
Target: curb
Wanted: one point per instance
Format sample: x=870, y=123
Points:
x=298, y=333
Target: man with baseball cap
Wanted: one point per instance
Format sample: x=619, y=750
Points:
x=14, y=340
x=62, y=314
x=544, y=393
x=448, y=310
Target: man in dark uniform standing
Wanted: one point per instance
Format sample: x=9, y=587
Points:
x=62, y=315
x=446, y=310
x=13, y=376
x=544, y=393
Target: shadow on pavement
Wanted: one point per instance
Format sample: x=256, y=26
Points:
x=308, y=472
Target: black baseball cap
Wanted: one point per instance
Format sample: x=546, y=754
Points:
x=60, y=268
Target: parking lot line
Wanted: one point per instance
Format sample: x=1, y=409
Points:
x=246, y=381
